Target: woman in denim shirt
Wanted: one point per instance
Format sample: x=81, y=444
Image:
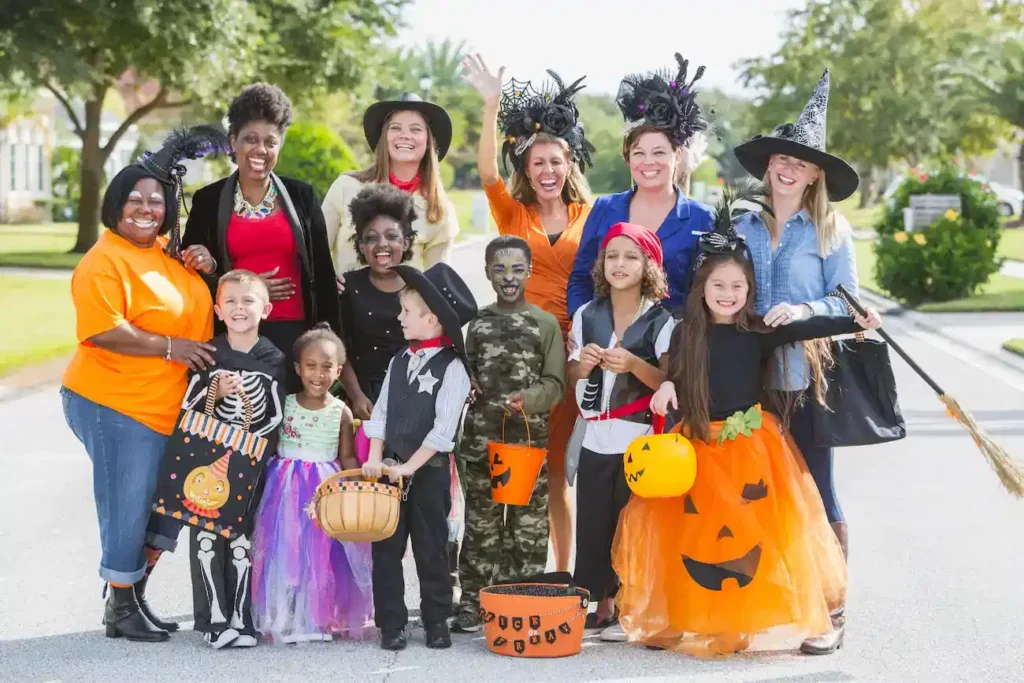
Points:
x=801, y=256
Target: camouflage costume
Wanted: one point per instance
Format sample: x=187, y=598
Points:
x=509, y=352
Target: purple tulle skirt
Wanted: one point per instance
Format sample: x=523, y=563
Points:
x=304, y=582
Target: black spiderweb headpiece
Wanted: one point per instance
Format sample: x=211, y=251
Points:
x=165, y=164
x=665, y=100
x=723, y=238
x=526, y=112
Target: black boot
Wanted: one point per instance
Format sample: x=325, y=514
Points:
x=123, y=617
x=140, y=596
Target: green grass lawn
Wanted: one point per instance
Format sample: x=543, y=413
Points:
x=861, y=219
x=1000, y=293
x=1011, y=244
x=39, y=319
x=463, y=201
x=1016, y=346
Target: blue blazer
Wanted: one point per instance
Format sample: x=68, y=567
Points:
x=677, y=241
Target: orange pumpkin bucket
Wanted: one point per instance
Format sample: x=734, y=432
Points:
x=534, y=619
x=356, y=511
x=514, y=468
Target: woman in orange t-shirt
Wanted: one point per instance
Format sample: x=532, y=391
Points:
x=547, y=205
x=142, y=322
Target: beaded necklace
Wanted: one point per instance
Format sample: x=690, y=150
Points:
x=261, y=210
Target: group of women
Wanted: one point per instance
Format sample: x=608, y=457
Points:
x=144, y=303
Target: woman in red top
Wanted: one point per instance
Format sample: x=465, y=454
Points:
x=257, y=220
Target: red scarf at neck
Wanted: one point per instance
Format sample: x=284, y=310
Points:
x=409, y=186
x=435, y=343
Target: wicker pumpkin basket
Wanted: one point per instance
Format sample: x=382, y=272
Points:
x=356, y=511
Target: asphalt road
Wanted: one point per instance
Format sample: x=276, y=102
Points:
x=936, y=558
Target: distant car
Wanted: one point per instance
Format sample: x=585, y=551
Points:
x=1011, y=201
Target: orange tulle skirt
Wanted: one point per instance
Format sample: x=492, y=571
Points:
x=745, y=561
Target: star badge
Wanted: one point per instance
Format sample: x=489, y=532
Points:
x=427, y=382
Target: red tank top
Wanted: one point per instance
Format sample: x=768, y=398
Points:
x=260, y=245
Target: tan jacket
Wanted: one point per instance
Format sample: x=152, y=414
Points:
x=433, y=243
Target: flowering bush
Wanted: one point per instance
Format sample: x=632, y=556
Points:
x=950, y=258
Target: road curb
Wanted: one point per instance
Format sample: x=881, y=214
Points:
x=922, y=321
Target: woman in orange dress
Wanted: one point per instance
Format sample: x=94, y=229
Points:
x=546, y=203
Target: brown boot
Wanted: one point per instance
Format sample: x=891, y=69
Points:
x=830, y=642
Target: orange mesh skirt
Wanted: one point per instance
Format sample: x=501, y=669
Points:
x=745, y=560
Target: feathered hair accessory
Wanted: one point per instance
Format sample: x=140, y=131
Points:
x=723, y=238
x=526, y=112
x=664, y=100
x=165, y=165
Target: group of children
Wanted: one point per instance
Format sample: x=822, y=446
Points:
x=655, y=568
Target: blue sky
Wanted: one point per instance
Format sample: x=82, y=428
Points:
x=608, y=39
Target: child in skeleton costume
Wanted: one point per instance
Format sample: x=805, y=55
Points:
x=746, y=558
x=517, y=359
x=307, y=586
x=622, y=338
x=222, y=568
x=414, y=423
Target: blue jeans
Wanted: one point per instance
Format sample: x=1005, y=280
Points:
x=820, y=461
x=126, y=457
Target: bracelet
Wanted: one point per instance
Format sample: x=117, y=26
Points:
x=167, y=356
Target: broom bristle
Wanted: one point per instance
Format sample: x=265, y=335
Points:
x=1009, y=471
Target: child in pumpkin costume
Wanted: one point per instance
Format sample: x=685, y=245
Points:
x=621, y=340
x=746, y=558
x=517, y=361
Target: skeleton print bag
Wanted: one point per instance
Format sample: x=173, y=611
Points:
x=218, y=451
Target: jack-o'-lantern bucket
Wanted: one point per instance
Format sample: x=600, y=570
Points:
x=514, y=468
x=534, y=619
x=660, y=465
x=356, y=511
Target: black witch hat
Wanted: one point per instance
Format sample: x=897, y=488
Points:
x=526, y=112
x=664, y=100
x=805, y=140
x=723, y=238
x=165, y=165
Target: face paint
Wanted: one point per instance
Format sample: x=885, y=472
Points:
x=508, y=272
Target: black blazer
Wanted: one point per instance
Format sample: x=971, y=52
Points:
x=208, y=225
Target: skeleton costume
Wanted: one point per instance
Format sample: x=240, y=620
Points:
x=222, y=567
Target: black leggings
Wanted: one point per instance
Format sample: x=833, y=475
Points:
x=602, y=493
x=819, y=459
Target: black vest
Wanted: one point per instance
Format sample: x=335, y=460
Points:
x=639, y=339
x=411, y=412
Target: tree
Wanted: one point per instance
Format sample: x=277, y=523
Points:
x=179, y=53
x=315, y=154
x=886, y=102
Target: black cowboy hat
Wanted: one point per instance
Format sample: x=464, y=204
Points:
x=447, y=296
x=805, y=140
x=437, y=118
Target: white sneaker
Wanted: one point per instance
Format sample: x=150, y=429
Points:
x=244, y=641
x=614, y=634
x=222, y=639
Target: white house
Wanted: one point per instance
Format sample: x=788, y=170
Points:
x=26, y=143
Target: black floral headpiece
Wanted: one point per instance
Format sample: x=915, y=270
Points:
x=664, y=100
x=165, y=164
x=723, y=238
x=526, y=112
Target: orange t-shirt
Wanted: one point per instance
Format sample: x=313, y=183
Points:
x=117, y=282
x=552, y=264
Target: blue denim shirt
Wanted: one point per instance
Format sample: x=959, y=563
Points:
x=795, y=273
x=676, y=233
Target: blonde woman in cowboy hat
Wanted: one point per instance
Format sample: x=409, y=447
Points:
x=409, y=138
x=800, y=256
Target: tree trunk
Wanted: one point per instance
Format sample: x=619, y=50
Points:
x=865, y=188
x=92, y=178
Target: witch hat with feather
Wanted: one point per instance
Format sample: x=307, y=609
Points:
x=805, y=140
x=165, y=165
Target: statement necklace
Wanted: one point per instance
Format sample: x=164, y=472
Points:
x=246, y=210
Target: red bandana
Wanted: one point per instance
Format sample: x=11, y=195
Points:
x=409, y=186
x=435, y=343
x=644, y=238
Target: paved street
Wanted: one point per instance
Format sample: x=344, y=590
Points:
x=936, y=555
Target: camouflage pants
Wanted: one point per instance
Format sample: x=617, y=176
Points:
x=499, y=545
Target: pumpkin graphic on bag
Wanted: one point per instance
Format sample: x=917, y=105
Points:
x=207, y=489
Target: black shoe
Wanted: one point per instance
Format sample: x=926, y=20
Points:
x=140, y=596
x=392, y=639
x=466, y=622
x=122, y=617
x=438, y=637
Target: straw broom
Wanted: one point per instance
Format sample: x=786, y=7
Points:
x=1009, y=471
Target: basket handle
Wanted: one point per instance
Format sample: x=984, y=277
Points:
x=529, y=442
x=211, y=399
x=353, y=473
x=658, y=423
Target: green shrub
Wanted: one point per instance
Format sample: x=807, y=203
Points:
x=315, y=154
x=950, y=258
